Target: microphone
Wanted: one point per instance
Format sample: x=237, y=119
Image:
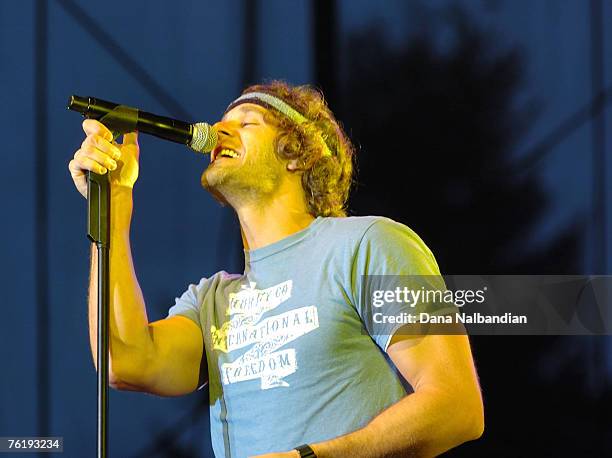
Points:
x=200, y=137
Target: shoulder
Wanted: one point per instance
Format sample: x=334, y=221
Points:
x=350, y=226
x=375, y=229
x=380, y=238
x=385, y=232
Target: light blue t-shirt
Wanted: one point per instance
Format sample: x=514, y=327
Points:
x=290, y=360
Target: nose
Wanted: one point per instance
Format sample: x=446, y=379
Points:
x=222, y=129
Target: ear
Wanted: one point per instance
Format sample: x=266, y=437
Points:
x=292, y=165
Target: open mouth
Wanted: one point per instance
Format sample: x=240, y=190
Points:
x=222, y=151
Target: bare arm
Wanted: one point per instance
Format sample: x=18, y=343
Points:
x=161, y=357
x=444, y=411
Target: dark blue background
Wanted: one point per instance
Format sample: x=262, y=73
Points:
x=189, y=59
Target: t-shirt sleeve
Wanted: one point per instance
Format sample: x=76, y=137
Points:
x=392, y=259
x=190, y=302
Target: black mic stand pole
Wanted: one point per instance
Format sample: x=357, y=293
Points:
x=120, y=120
x=98, y=231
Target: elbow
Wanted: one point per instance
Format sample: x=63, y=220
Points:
x=477, y=429
x=116, y=383
x=128, y=375
x=464, y=411
x=124, y=377
x=473, y=428
x=119, y=384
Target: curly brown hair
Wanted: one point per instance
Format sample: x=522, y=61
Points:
x=326, y=179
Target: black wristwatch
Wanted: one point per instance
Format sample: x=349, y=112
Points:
x=305, y=451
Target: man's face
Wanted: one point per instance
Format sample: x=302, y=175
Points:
x=244, y=165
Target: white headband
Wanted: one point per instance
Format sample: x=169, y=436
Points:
x=271, y=101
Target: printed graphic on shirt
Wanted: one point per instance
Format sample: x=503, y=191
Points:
x=263, y=360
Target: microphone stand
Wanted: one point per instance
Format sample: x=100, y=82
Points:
x=120, y=120
x=98, y=231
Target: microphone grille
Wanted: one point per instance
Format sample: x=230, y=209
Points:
x=204, y=138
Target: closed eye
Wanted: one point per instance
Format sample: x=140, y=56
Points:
x=244, y=124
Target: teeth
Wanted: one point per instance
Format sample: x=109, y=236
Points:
x=227, y=152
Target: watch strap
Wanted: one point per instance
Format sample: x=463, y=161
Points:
x=305, y=451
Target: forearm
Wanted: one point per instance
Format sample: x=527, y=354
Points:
x=425, y=423
x=130, y=341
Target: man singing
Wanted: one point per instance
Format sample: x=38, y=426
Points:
x=293, y=363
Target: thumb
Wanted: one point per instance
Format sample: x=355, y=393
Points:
x=94, y=127
x=130, y=138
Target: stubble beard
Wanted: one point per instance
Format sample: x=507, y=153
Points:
x=244, y=185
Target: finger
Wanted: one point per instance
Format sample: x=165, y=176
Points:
x=91, y=126
x=82, y=163
x=103, y=145
x=130, y=138
x=78, y=176
x=95, y=155
x=75, y=170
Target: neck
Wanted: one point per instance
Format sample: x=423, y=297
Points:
x=272, y=219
